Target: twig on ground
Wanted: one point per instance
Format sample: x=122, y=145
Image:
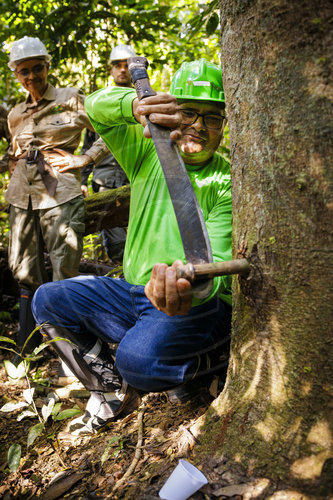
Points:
x=137, y=453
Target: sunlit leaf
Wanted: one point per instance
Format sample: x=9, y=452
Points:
x=56, y=408
x=8, y=407
x=26, y=414
x=34, y=432
x=105, y=455
x=47, y=409
x=15, y=372
x=7, y=339
x=28, y=395
x=39, y=348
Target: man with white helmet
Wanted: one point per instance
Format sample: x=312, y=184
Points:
x=46, y=205
x=108, y=174
x=119, y=67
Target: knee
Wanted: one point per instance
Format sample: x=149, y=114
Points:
x=135, y=367
x=149, y=368
x=42, y=298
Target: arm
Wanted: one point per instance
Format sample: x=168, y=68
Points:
x=112, y=111
x=173, y=296
x=94, y=151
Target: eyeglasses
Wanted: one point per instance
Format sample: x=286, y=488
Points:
x=38, y=68
x=210, y=121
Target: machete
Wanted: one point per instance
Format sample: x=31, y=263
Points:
x=188, y=213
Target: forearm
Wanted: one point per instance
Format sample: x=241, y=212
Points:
x=97, y=152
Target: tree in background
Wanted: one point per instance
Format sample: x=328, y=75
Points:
x=274, y=412
x=79, y=36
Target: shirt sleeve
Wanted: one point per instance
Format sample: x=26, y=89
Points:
x=98, y=150
x=110, y=112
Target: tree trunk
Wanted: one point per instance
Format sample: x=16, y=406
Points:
x=107, y=209
x=274, y=409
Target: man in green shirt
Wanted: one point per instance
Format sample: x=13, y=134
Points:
x=166, y=336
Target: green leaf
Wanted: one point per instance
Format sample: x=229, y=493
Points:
x=31, y=335
x=212, y=24
x=7, y=339
x=12, y=406
x=34, y=432
x=56, y=339
x=5, y=315
x=56, y=408
x=14, y=457
x=39, y=348
x=8, y=349
x=71, y=412
x=105, y=455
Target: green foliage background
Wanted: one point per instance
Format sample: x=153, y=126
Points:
x=79, y=36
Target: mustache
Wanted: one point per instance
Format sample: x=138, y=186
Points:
x=200, y=135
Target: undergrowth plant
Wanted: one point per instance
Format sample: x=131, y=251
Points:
x=49, y=412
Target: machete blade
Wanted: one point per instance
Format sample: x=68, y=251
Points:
x=188, y=213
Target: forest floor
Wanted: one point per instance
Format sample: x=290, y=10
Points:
x=129, y=460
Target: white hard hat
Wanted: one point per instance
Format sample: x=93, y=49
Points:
x=121, y=53
x=27, y=48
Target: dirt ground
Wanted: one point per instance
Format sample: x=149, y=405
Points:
x=129, y=460
x=57, y=465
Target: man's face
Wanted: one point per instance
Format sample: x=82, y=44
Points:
x=32, y=74
x=120, y=74
x=201, y=138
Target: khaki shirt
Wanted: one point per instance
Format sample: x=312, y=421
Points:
x=55, y=122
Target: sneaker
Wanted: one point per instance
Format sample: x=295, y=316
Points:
x=102, y=408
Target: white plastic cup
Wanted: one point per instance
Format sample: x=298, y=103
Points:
x=183, y=482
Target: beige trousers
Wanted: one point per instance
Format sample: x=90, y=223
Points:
x=58, y=230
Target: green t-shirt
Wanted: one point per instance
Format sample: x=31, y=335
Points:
x=153, y=234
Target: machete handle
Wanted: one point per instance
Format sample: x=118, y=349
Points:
x=192, y=272
x=137, y=67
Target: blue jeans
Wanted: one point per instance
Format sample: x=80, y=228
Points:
x=155, y=352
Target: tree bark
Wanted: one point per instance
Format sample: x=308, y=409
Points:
x=274, y=415
x=107, y=209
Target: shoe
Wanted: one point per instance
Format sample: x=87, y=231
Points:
x=190, y=390
x=102, y=408
x=183, y=393
x=65, y=375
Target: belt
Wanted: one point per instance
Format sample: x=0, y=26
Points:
x=35, y=156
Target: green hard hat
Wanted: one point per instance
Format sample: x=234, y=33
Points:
x=198, y=80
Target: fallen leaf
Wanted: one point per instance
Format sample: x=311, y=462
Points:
x=247, y=490
x=62, y=484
